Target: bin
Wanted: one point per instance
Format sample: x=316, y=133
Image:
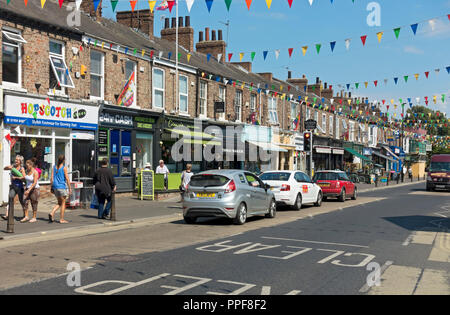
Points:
x=74, y=198
x=86, y=192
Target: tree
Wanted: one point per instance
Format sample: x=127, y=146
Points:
x=435, y=121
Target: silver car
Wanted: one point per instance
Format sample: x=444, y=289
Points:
x=234, y=194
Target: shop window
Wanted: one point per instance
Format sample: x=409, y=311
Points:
x=97, y=74
x=59, y=73
x=11, y=58
x=62, y=132
x=183, y=88
x=39, y=148
x=144, y=149
x=158, y=88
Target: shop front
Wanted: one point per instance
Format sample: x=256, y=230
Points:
x=127, y=139
x=45, y=129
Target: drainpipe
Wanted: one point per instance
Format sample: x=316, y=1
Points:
x=197, y=98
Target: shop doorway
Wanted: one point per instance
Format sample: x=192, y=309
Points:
x=83, y=157
x=63, y=147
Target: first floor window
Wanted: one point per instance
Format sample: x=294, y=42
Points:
x=238, y=105
x=222, y=98
x=11, y=57
x=253, y=103
x=131, y=81
x=183, y=86
x=97, y=74
x=158, y=88
x=331, y=125
x=203, y=98
x=59, y=73
x=273, y=114
x=324, y=123
x=338, y=135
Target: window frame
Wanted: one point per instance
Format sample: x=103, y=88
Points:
x=183, y=94
x=331, y=123
x=223, y=99
x=18, y=45
x=238, y=104
x=272, y=105
x=102, y=75
x=203, y=100
x=61, y=57
x=163, y=89
x=324, y=123
x=252, y=102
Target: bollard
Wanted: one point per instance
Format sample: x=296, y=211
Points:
x=387, y=180
x=10, y=226
x=403, y=177
x=113, y=207
x=376, y=181
x=398, y=178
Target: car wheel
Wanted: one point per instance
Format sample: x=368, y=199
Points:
x=272, y=210
x=190, y=220
x=241, y=215
x=324, y=198
x=318, y=203
x=355, y=194
x=428, y=188
x=342, y=196
x=298, y=202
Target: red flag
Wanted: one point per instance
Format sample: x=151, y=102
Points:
x=448, y=15
x=170, y=3
x=249, y=2
x=290, y=4
x=427, y=74
x=363, y=39
x=8, y=137
x=151, y=54
x=60, y=3
x=132, y=4
x=384, y=101
x=376, y=83
x=290, y=52
x=229, y=56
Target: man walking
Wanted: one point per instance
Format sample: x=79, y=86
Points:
x=105, y=185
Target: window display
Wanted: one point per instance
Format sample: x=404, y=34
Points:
x=39, y=148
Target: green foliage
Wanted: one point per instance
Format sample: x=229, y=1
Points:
x=423, y=114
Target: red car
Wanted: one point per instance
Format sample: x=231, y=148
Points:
x=335, y=184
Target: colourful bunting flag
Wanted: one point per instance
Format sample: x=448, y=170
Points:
x=414, y=28
x=332, y=44
x=290, y=52
x=133, y=4
x=59, y=1
x=210, y=2
x=290, y=4
x=229, y=56
x=380, y=35
x=397, y=32
x=269, y=3
x=170, y=3
x=304, y=49
x=96, y=3
x=347, y=43
x=42, y=3
x=189, y=4
x=253, y=55
x=241, y=55
x=265, y=54
x=318, y=46
x=249, y=3
x=228, y=4
x=363, y=39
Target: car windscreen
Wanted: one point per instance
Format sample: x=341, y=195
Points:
x=440, y=167
x=279, y=176
x=208, y=180
x=325, y=176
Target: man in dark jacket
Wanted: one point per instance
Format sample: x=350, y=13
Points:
x=104, y=187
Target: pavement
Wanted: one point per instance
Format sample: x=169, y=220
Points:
x=128, y=210
x=382, y=243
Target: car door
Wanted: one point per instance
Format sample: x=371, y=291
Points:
x=349, y=186
x=310, y=189
x=257, y=192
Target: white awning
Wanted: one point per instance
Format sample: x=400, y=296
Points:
x=338, y=151
x=325, y=150
x=268, y=146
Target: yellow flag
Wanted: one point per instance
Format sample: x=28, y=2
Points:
x=281, y=88
x=434, y=99
x=269, y=3
x=42, y=3
x=366, y=84
x=349, y=102
x=241, y=55
x=304, y=49
x=103, y=44
x=417, y=76
x=143, y=52
x=152, y=4
x=306, y=98
x=392, y=102
x=243, y=85
x=188, y=57
x=380, y=35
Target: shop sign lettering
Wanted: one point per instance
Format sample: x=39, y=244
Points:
x=122, y=120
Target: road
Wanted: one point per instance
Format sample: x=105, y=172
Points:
x=391, y=241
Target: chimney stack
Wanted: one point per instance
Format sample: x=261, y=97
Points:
x=213, y=35
x=141, y=20
x=212, y=46
x=200, y=36
x=166, y=23
x=185, y=33
x=220, y=34
x=289, y=74
x=207, y=34
x=300, y=83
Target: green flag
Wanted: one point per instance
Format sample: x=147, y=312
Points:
x=357, y=85
x=114, y=4
x=406, y=78
x=318, y=46
x=253, y=55
x=397, y=32
x=228, y=3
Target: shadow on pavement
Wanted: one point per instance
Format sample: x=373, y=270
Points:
x=421, y=223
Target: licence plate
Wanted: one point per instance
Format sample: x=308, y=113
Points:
x=324, y=184
x=204, y=195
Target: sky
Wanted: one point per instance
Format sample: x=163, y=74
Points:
x=260, y=29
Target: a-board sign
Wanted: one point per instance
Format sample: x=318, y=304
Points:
x=103, y=137
x=147, y=185
x=310, y=124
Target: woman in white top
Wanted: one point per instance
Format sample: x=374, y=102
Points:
x=32, y=191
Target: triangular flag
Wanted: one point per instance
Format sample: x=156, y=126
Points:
x=189, y=4
x=170, y=3
x=437, y=71
x=376, y=83
x=290, y=52
x=229, y=56
x=414, y=28
x=380, y=36
x=249, y=3
x=397, y=32
x=188, y=57
x=26, y=3
x=96, y=3
x=241, y=55
x=219, y=57
x=269, y=3
x=396, y=80
x=363, y=39
x=347, y=43
x=357, y=85
x=151, y=5
x=290, y=4
x=42, y=3
x=366, y=84
x=133, y=4
x=265, y=54
x=318, y=46
x=427, y=74
x=228, y=3
x=59, y=1
x=311, y=2
x=332, y=44
x=304, y=49
x=277, y=54
x=448, y=69
x=209, y=4
x=416, y=76
x=432, y=23
x=406, y=78
x=208, y=56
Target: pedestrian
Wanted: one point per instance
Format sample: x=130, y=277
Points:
x=60, y=185
x=162, y=169
x=34, y=160
x=148, y=167
x=410, y=172
x=185, y=179
x=32, y=191
x=16, y=187
x=105, y=185
x=405, y=170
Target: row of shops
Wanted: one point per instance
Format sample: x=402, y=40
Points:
x=130, y=139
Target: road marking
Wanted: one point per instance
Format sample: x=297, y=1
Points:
x=244, y=287
x=314, y=242
x=383, y=268
x=441, y=248
x=424, y=238
x=177, y=290
x=408, y=239
x=397, y=280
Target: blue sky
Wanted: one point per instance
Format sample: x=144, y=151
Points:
x=281, y=27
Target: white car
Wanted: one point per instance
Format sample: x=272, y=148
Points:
x=293, y=188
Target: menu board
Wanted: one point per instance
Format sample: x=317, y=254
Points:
x=103, y=137
x=147, y=184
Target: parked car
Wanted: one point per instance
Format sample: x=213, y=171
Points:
x=438, y=176
x=293, y=188
x=234, y=194
x=335, y=184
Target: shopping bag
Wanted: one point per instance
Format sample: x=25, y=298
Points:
x=94, y=202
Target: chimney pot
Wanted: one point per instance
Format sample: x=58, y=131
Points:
x=167, y=23
x=180, y=21
x=207, y=34
x=326, y=85
x=187, y=21
x=289, y=74
x=174, y=21
x=200, y=36
x=213, y=35
x=220, y=34
x=317, y=80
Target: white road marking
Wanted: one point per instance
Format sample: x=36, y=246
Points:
x=408, y=239
x=314, y=242
x=178, y=290
x=383, y=268
x=244, y=287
